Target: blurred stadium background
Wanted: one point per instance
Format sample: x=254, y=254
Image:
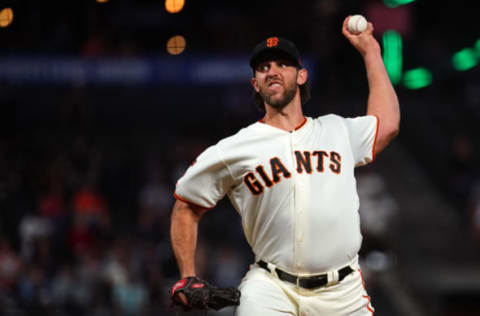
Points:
x=101, y=111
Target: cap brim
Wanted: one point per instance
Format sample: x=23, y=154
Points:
x=272, y=54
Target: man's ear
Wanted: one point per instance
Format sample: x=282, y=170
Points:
x=254, y=83
x=302, y=76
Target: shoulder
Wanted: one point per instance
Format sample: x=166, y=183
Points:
x=330, y=120
x=246, y=134
x=333, y=118
x=231, y=144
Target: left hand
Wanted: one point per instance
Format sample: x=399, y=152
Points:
x=364, y=42
x=193, y=293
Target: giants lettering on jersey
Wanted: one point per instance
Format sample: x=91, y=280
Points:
x=306, y=161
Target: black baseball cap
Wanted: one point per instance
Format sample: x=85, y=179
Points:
x=275, y=47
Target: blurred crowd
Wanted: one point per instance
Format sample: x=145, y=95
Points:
x=84, y=226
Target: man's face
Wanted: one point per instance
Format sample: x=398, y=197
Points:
x=276, y=81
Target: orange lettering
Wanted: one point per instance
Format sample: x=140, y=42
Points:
x=252, y=183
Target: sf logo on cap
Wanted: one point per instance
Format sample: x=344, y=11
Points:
x=272, y=41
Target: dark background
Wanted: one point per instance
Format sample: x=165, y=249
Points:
x=89, y=158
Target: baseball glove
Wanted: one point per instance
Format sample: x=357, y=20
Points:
x=202, y=295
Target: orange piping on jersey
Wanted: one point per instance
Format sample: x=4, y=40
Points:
x=375, y=140
x=178, y=197
x=262, y=120
x=369, y=303
x=303, y=123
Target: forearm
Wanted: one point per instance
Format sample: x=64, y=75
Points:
x=183, y=233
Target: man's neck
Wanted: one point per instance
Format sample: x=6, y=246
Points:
x=287, y=118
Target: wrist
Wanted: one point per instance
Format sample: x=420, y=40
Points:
x=372, y=52
x=186, y=275
x=372, y=56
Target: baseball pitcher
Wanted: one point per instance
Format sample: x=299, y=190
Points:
x=291, y=178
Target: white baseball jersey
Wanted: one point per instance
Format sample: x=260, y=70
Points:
x=295, y=191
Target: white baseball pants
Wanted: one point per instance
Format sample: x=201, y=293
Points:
x=263, y=294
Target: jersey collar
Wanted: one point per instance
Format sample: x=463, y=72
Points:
x=296, y=128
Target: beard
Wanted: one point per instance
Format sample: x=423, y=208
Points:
x=276, y=102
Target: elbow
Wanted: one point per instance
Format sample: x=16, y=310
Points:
x=391, y=132
x=390, y=127
x=385, y=135
x=394, y=131
x=183, y=209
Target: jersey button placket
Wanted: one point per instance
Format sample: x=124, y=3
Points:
x=302, y=194
x=301, y=208
x=295, y=199
x=298, y=206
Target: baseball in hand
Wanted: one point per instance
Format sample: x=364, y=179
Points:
x=357, y=24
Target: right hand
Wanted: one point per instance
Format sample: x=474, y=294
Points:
x=364, y=42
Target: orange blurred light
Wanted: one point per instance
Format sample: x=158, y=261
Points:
x=102, y=1
x=6, y=17
x=176, y=45
x=174, y=6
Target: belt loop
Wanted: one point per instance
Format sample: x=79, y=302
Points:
x=332, y=277
x=273, y=269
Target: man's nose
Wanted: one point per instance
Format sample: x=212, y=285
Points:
x=273, y=70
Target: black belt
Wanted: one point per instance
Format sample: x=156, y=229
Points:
x=307, y=282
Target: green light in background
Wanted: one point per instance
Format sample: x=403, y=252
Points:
x=417, y=78
x=392, y=55
x=396, y=3
x=477, y=48
x=464, y=59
